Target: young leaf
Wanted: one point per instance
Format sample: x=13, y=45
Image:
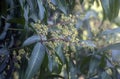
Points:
x=35, y=61
x=31, y=40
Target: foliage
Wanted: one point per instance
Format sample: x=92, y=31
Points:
x=68, y=39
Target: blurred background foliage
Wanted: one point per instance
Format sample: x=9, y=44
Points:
x=59, y=39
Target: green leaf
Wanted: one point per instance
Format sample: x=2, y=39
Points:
x=115, y=74
x=4, y=51
x=35, y=61
x=26, y=12
x=62, y=6
x=110, y=8
x=50, y=64
x=114, y=8
x=116, y=56
x=117, y=21
x=23, y=67
x=30, y=2
x=105, y=5
x=115, y=46
x=2, y=35
x=41, y=9
x=59, y=52
x=17, y=20
x=3, y=64
x=31, y=40
x=112, y=31
x=104, y=75
x=93, y=65
x=90, y=14
x=53, y=65
x=21, y=3
x=54, y=2
x=102, y=62
x=44, y=67
x=84, y=63
x=73, y=71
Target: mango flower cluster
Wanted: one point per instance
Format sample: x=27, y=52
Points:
x=64, y=29
x=41, y=29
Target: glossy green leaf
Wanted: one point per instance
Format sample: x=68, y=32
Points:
x=30, y=2
x=50, y=64
x=114, y=8
x=23, y=67
x=41, y=9
x=112, y=31
x=110, y=8
x=117, y=21
x=104, y=75
x=90, y=14
x=115, y=46
x=26, y=12
x=62, y=6
x=93, y=65
x=73, y=71
x=21, y=3
x=7, y=25
x=35, y=61
x=3, y=64
x=31, y=40
x=4, y=51
x=102, y=62
x=116, y=56
x=105, y=5
x=85, y=63
x=115, y=73
x=44, y=68
x=2, y=35
x=54, y=2
x=53, y=65
x=60, y=53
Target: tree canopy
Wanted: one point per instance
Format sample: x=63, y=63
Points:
x=59, y=39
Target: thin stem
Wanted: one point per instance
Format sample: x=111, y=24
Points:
x=15, y=29
x=39, y=41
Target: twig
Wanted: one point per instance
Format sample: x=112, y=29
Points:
x=15, y=29
x=53, y=39
x=61, y=23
